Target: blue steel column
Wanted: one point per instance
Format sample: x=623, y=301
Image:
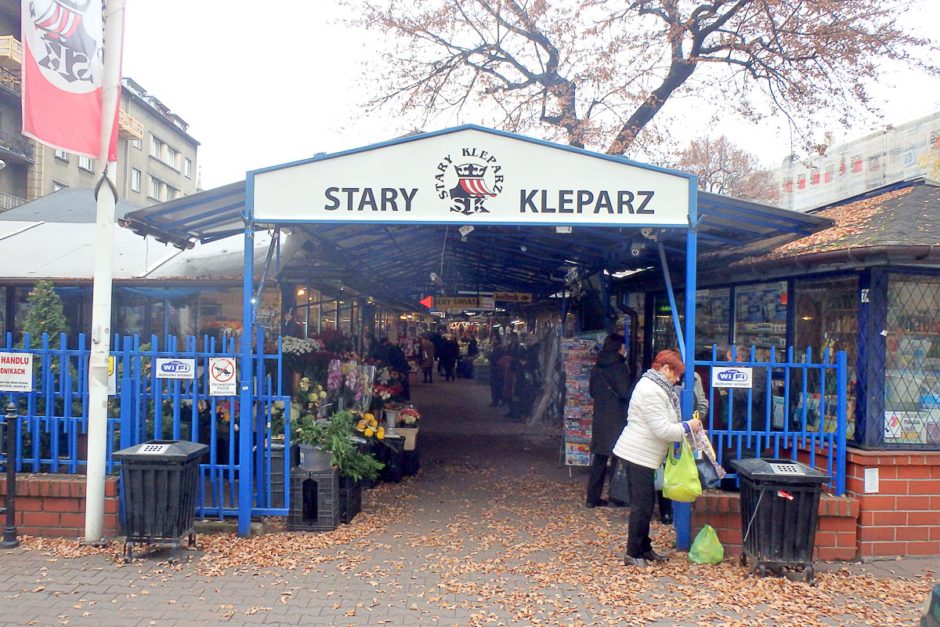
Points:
x=682, y=512
x=245, y=423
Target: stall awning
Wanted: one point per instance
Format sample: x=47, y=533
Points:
x=411, y=259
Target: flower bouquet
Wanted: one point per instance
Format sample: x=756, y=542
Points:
x=409, y=416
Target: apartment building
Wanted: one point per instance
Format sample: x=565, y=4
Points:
x=156, y=153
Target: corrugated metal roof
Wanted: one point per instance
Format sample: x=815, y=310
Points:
x=70, y=205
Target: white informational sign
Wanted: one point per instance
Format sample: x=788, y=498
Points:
x=871, y=481
x=112, y=376
x=222, y=376
x=16, y=372
x=731, y=377
x=173, y=368
x=471, y=175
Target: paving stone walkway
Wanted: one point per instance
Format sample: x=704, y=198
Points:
x=491, y=531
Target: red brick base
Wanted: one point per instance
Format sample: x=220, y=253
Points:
x=903, y=517
x=54, y=505
x=835, y=535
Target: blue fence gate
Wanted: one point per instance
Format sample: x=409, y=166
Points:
x=794, y=406
x=53, y=425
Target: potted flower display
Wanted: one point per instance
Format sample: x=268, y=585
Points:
x=334, y=438
x=407, y=427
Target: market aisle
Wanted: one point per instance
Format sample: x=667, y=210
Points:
x=491, y=531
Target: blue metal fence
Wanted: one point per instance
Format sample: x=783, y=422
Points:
x=796, y=406
x=51, y=433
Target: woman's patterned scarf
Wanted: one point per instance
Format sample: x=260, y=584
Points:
x=660, y=379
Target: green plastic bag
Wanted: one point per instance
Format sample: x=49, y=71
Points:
x=680, y=480
x=706, y=549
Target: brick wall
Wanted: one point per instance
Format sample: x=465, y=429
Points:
x=903, y=517
x=836, y=533
x=54, y=505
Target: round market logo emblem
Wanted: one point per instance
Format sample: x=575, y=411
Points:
x=65, y=38
x=467, y=180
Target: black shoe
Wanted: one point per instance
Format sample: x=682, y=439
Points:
x=618, y=503
x=666, y=519
x=653, y=556
x=597, y=503
x=639, y=562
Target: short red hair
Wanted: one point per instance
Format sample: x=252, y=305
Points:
x=669, y=358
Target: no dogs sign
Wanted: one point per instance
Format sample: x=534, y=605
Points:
x=222, y=376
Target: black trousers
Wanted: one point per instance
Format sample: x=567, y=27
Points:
x=428, y=374
x=596, y=480
x=642, y=501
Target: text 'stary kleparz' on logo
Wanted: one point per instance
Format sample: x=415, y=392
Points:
x=467, y=179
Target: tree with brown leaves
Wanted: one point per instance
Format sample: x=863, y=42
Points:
x=724, y=168
x=597, y=72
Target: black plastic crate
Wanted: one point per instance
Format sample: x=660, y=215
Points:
x=314, y=500
x=390, y=454
x=410, y=462
x=350, y=499
x=779, y=513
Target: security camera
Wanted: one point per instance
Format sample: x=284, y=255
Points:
x=636, y=249
x=648, y=233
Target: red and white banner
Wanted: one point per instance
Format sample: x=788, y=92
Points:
x=62, y=75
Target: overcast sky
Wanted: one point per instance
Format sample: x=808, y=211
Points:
x=260, y=87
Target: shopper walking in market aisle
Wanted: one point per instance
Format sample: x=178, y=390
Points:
x=610, y=386
x=448, y=355
x=653, y=422
x=496, y=373
x=427, y=358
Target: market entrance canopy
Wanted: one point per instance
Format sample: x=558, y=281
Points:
x=516, y=190
x=471, y=175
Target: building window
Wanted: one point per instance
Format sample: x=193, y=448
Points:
x=86, y=163
x=137, y=144
x=135, y=179
x=56, y=186
x=156, y=147
x=188, y=168
x=61, y=155
x=912, y=363
x=155, y=185
x=172, y=158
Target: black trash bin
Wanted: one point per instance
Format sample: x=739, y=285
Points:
x=158, y=492
x=779, y=510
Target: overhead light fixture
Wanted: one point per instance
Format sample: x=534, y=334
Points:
x=523, y=248
x=465, y=230
x=301, y=291
x=563, y=229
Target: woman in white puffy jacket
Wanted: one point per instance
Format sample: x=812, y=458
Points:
x=653, y=423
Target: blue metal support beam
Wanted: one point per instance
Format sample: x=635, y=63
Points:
x=245, y=422
x=682, y=512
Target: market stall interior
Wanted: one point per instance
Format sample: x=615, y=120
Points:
x=453, y=218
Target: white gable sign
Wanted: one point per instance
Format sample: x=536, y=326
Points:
x=471, y=176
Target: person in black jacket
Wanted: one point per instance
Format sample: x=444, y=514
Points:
x=396, y=360
x=611, y=384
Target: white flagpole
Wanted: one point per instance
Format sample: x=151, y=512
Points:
x=106, y=196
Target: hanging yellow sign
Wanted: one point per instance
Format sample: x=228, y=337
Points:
x=513, y=297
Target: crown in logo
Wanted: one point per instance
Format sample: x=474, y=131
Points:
x=470, y=170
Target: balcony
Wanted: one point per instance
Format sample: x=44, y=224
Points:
x=8, y=201
x=129, y=127
x=15, y=148
x=10, y=82
x=11, y=53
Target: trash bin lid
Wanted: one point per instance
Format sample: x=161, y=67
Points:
x=162, y=451
x=779, y=470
